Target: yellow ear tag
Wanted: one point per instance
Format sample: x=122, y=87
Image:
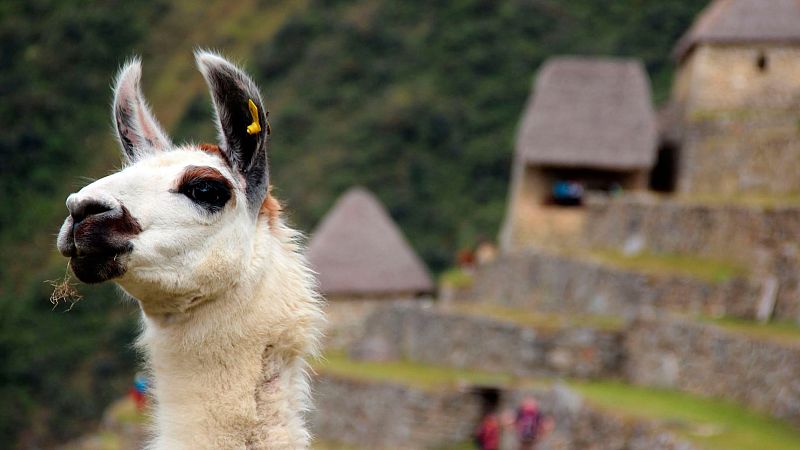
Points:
x=254, y=127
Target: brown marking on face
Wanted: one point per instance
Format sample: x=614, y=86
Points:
x=215, y=150
x=202, y=172
x=271, y=208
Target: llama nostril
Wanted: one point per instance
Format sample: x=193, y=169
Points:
x=87, y=208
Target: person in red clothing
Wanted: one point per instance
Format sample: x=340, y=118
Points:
x=531, y=424
x=139, y=391
x=489, y=431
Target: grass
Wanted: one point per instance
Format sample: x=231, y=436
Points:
x=712, y=424
x=232, y=26
x=782, y=332
x=456, y=278
x=706, y=269
x=542, y=320
x=753, y=200
x=329, y=445
x=415, y=374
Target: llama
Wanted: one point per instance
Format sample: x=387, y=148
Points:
x=229, y=307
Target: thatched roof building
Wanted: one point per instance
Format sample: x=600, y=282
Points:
x=589, y=126
x=743, y=21
x=359, y=251
x=589, y=112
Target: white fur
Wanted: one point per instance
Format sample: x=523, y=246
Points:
x=228, y=304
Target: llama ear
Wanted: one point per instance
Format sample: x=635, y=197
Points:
x=138, y=131
x=242, y=122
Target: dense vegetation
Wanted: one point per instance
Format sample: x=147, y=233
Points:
x=417, y=100
x=56, y=369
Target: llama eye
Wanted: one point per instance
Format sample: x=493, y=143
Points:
x=210, y=194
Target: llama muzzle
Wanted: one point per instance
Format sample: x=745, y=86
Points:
x=96, y=236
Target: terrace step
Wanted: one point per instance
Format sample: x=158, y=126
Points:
x=610, y=284
x=502, y=341
x=598, y=415
x=756, y=365
x=743, y=231
x=745, y=363
x=354, y=412
x=759, y=233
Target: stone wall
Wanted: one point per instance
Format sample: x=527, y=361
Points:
x=549, y=282
x=752, y=152
x=345, y=319
x=707, y=360
x=460, y=340
x=724, y=231
x=763, y=239
x=380, y=415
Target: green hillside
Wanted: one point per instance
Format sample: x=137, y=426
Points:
x=417, y=100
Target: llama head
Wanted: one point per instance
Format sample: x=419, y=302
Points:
x=177, y=225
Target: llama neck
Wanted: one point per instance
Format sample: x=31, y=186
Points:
x=230, y=373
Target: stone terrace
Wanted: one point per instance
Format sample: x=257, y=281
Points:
x=697, y=357
x=546, y=281
x=709, y=360
x=353, y=411
x=472, y=340
x=761, y=236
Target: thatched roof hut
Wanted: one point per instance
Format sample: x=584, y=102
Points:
x=359, y=251
x=591, y=113
x=743, y=21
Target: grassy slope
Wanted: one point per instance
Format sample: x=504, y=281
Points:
x=781, y=332
x=541, y=320
x=234, y=28
x=712, y=424
x=706, y=269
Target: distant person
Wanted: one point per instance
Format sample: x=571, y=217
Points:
x=615, y=190
x=486, y=252
x=508, y=440
x=489, y=432
x=531, y=424
x=139, y=391
x=466, y=259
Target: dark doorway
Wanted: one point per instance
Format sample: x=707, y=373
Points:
x=665, y=173
x=490, y=398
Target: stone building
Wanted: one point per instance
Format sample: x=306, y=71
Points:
x=740, y=53
x=589, y=122
x=363, y=261
x=359, y=252
x=732, y=127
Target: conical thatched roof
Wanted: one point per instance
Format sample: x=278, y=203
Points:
x=591, y=113
x=358, y=250
x=743, y=21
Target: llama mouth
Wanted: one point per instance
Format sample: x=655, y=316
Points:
x=96, y=268
x=94, y=257
x=98, y=245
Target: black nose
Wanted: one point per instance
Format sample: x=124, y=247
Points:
x=86, y=208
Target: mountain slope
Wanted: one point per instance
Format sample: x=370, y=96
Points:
x=417, y=100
